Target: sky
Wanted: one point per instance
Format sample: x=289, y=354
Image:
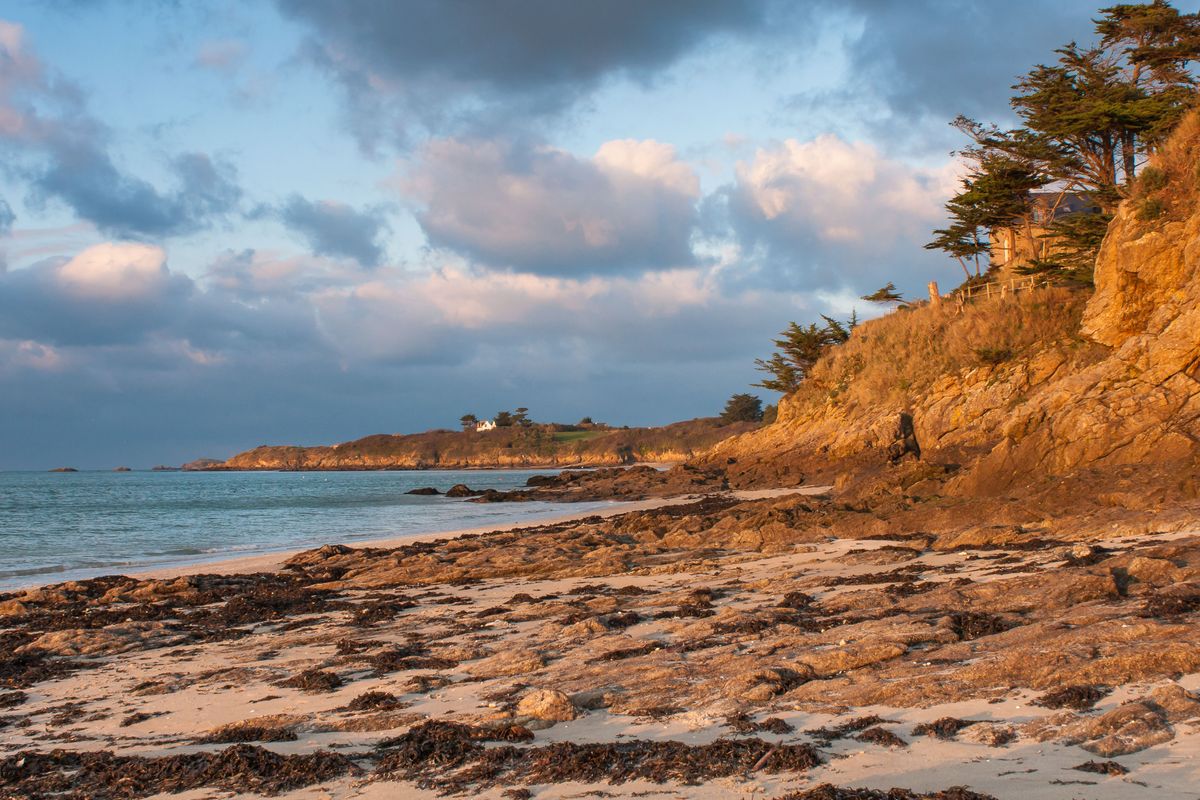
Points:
x=225, y=224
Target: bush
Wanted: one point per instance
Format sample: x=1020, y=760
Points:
x=993, y=355
x=1152, y=179
x=1151, y=209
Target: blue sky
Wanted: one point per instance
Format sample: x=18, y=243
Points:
x=225, y=224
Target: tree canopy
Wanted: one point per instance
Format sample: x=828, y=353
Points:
x=1089, y=121
x=742, y=408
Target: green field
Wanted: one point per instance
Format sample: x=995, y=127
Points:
x=577, y=436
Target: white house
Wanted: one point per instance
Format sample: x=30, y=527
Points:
x=486, y=425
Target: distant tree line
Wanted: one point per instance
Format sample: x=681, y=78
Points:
x=1089, y=121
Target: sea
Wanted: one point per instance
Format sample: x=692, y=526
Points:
x=67, y=526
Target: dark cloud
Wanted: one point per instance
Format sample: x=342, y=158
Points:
x=534, y=208
x=85, y=178
x=442, y=62
x=940, y=58
x=51, y=140
x=335, y=229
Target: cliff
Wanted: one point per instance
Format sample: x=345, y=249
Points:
x=503, y=447
x=1024, y=389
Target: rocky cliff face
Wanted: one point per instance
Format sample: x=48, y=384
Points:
x=1119, y=384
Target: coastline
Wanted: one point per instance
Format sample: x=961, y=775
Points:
x=274, y=560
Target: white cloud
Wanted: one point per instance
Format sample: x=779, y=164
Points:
x=630, y=207
x=842, y=192
x=116, y=271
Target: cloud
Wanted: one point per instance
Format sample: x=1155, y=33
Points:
x=221, y=55
x=108, y=293
x=830, y=212
x=116, y=271
x=335, y=229
x=441, y=64
x=630, y=207
x=61, y=151
x=940, y=58
x=7, y=218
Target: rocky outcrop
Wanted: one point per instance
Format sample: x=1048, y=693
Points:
x=1117, y=385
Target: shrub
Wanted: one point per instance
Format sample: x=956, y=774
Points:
x=1152, y=179
x=1151, y=209
x=993, y=355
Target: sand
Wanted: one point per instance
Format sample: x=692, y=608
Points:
x=481, y=645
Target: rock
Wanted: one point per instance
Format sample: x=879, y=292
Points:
x=1178, y=703
x=904, y=441
x=841, y=659
x=64, y=469
x=462, y=490
x=203, y=465
x=1126, y=729
x=122, y=469
x=508, y=664
x=427, y=491
x=13, y=608
x=549, y=705
x=761, y=685
x=106, y=641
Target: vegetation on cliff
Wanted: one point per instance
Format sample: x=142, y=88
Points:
x=509, y=446
x=1089, y=122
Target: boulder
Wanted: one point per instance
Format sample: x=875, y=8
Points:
x=461, y=490
x=549, y=705
x=427, y=491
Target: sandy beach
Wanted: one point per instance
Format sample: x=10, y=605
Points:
x=757, y=644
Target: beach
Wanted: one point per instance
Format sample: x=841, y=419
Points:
x=752, y=644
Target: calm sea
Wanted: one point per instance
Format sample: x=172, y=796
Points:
x=62, y=526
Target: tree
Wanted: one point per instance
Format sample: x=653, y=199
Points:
x=770, y=414
x=468, y=421
x=586, y=421
x=742, y=408
x=504, y=419
x=521, y=417
x=799, y=349
x=1089, y=120
x=884, y=294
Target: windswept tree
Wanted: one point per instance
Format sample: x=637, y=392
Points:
x=798, y=350
x=742, y=408
x=468, y=421
x=884, y=294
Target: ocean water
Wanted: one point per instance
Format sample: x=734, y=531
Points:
x=64, y=526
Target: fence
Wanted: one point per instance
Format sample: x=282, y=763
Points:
x=999, y=288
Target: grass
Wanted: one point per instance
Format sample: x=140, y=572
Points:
x=1168, y=187
x=896, y=358
x=578, y=436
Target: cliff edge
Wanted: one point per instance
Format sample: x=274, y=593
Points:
x=1013, y=391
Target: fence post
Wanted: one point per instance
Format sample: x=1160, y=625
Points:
x=935, y=297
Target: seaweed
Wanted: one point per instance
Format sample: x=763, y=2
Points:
x=1080, y=697
x=103, y=775
x=944, y=728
